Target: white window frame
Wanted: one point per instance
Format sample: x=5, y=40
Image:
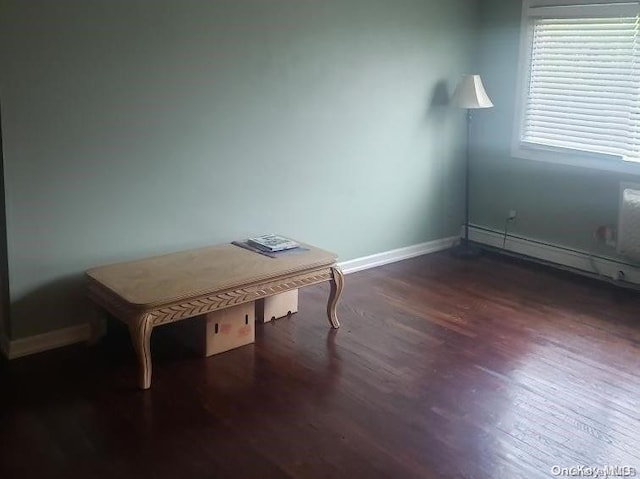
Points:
x=550, y=154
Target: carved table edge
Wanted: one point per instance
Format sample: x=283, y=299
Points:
x=205, y=303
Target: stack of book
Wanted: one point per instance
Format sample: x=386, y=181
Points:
x=272, y=243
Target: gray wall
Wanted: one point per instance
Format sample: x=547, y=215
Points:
x=139, y=127
x=556, y=204
x=5, y=325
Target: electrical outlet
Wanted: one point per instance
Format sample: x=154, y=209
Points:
x=606, y=234
x=513, y=214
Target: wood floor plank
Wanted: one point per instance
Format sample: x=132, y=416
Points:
x=491, y=368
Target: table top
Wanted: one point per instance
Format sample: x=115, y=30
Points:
x=173, y=277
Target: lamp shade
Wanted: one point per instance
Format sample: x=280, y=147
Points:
x=471, y=94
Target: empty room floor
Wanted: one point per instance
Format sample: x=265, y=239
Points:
x=492, y=368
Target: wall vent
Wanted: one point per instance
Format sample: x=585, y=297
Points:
x=629, y=221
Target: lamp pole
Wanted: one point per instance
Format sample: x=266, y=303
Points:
x=467, y=181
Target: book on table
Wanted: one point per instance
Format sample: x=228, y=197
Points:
x=272, y=243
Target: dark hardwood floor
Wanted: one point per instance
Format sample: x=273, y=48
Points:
x=443, y=368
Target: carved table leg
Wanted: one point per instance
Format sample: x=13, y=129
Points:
x=337, y=283
x=140, y=329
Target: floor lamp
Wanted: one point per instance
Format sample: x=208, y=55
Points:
x=469, y=95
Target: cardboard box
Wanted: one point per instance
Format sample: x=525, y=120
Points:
x=219, y=331
x=277, y=306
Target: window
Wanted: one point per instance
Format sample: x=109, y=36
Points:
x=579, y=87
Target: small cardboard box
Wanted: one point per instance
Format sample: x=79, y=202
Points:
x=277, y=306
x=230, y=328
x=220, y=330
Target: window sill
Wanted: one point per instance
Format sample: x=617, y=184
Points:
x=577, y=159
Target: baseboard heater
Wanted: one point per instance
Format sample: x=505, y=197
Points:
x=580, y=262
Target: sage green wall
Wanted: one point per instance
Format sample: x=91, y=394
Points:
x=556, y=204
x=140, y=127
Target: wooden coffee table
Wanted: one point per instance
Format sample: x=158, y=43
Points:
x=164, y=289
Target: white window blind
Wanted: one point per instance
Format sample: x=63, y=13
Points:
x=584, y=83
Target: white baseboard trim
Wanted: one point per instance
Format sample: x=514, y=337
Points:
x=580, y=261
x=380, y=259
x=44, y=342
x=4, y=345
